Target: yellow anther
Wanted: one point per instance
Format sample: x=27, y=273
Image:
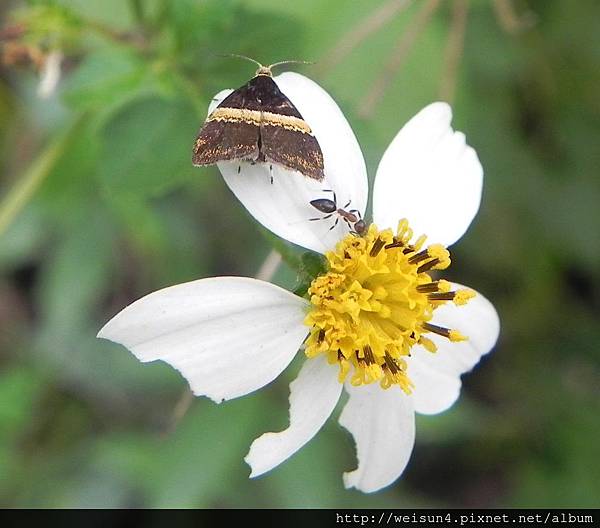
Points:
x=455, y=336
x=444, y=286
x=462, y=296
x=376, y=302
x=427, y=344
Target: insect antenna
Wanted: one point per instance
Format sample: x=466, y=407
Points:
x=270, y=66
x=238, y=56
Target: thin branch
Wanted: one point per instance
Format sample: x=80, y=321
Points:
x=399, y=54
x=12, y=32
x=133, y=39
x=181, y=408
x=454, y=49
x=509, y=20
x=357, y=34
x=269, y=267
x=137, y=8
x=26, y=186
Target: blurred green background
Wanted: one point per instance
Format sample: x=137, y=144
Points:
x=99, y=205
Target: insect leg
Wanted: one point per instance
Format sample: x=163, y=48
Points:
x=334, y=196
x=322, y=217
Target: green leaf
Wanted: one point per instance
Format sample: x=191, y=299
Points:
x=103, y=77
x=50, y=25
x=26, y=187
x=568, y=475
x=76, y=273
x=115, y=13
x=71, y=179
x=199, y=461
x=18, y=390
x=312, y=264
x=23, y=238
x=146, y=148
x=144, y=226
x=204, y=30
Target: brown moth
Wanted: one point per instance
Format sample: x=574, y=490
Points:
x=258, y=123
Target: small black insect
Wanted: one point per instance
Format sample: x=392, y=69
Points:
x=352, y=216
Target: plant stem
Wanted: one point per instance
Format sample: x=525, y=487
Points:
x=359, y=33
x=454, y=50
x=397, y=57
x=137, y=6
x=25, y=187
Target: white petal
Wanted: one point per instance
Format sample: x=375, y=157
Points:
x=437, y=376
x=50, y=74
x=217, y=100
x=284, y=205
x=228, y=336
x=313, y=396
x=430, y=176
x=383, y=425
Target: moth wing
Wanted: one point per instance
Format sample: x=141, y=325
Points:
x=293, y=147
x=301, y=151
x=220, y=140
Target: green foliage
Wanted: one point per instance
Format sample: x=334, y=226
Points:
x=50, y=25
x=100, y=205
x=102, y=76
x=311, y=265
x=150, y=162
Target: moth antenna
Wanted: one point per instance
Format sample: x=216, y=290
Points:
x=289, y=62
x=238, y=56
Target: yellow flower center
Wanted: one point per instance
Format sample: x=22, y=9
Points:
x=375, y=302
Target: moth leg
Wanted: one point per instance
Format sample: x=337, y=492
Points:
x=271, y=172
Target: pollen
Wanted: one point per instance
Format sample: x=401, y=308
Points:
x=376, y=301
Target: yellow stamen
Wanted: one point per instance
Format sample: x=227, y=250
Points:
x=463, y=296
x=376, y=302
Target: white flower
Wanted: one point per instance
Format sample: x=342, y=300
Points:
x=50, y=74
x=368, y=317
